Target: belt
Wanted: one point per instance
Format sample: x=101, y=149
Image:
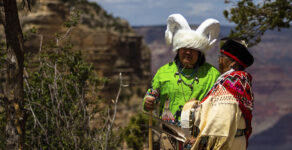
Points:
x=240, y=132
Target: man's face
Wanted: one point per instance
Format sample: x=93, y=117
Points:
x=224, y=63
x=188, y=57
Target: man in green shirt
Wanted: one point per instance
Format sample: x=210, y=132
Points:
x=177, y=84
x=188, y=76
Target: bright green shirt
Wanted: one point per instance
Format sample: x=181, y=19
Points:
x=178, y=93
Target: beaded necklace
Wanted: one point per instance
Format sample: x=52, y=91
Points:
x=180, y=72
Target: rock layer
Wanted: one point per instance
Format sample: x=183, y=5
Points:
x=109, y=43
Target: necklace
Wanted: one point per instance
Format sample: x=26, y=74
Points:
x=189, y=85
x=186, y=75
x=180, y=72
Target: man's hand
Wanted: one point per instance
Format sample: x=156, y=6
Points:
x=196, y=103
x=149, y=103
x=190, y=142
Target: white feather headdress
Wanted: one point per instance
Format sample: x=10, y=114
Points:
x=180, y=34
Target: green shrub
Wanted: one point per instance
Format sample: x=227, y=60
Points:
x=136, y=131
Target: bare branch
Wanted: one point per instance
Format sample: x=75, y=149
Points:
x=41, y=42
x=108, y=134
x=36, y=120
x=63, y=37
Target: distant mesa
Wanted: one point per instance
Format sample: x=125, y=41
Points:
x=278, y=137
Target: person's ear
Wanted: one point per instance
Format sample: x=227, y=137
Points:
x=232, y=65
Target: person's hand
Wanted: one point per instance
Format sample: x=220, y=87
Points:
x=149, y=103
x=190, y=142
x=196, y=103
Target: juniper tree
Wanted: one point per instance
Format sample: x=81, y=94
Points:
x=253, y=20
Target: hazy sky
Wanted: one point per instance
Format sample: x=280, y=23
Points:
x=155, y=12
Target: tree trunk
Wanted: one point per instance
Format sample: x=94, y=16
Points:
x=13, y=92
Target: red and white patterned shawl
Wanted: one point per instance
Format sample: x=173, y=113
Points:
x=239, y=84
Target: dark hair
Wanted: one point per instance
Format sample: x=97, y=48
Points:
x=201, y=58
x=237, y=66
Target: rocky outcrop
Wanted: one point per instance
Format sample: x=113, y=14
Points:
x=109, y=43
